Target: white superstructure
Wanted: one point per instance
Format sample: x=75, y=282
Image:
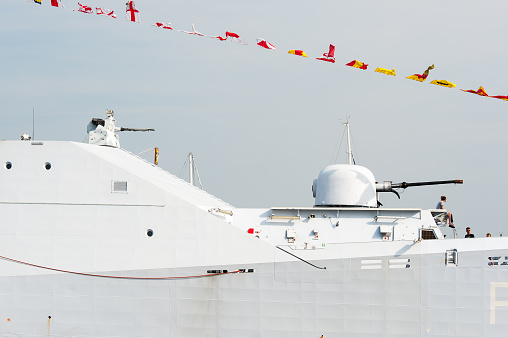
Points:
x=97, y=242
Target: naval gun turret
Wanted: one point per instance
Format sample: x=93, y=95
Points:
x=103, y=132
x=351, y=185
x=347, y=185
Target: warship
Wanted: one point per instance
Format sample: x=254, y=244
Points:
x=98, y=242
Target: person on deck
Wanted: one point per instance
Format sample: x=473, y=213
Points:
x=440, y=205
x=468, y=233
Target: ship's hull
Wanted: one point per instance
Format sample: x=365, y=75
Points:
x=354, y=297
x=78, y=231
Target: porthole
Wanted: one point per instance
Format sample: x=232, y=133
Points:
x=149, y=232
x=8, y=165
x=47, y=165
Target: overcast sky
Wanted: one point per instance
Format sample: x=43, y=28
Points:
x=262, y=124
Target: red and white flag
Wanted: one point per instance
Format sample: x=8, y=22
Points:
x=263, y=43
x=131, y=13
x=194, y=32
x=106, y=12
x=163, y=25
x=234, y=37
x=57, y=3
x=84, y=9
x=330, y=56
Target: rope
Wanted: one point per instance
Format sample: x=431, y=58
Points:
x=117, y=277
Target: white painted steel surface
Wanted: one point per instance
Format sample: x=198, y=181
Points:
x=345, y=185
x=70, y=217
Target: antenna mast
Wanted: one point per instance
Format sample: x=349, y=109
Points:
x=349, y=153
x=191, y=169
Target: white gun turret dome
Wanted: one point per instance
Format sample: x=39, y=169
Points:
x=345, y=185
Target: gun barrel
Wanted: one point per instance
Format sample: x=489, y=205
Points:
x=134, y=129
x=405, y=185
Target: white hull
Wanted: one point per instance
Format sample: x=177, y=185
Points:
x=74, y=217
x=279, y=299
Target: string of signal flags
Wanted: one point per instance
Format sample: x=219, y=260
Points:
x=132, y=14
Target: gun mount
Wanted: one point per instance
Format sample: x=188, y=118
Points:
x=103, y=132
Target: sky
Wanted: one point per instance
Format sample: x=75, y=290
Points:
x=262, y=124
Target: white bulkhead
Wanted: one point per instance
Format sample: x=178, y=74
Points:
x=345, y=185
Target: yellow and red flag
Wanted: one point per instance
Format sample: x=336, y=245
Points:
x=443, y=83
x=297, y=52
x=385, y=71
x=421, y=77
x=480, y=91
x=501, y=97
x=357, y=64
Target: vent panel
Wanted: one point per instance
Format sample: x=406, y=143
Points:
x=119, y=186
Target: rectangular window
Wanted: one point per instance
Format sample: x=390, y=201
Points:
x=428, y=234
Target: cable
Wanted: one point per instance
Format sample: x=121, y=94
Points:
x=183, y=167
x=338, y=149
x=118, y=277
x=354, y=146
x=303, y=260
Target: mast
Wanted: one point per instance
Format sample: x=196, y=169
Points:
x=191, y=171
x=349, y=153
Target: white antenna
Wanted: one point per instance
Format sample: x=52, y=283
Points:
x=191, y=171
x=349, y=153
x=33, y=123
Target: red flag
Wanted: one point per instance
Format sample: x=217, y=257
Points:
x=330, y=56
x=234, y=37
x=84, y=9
x=163, y=25
x=131, y=13
x=265, y=44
